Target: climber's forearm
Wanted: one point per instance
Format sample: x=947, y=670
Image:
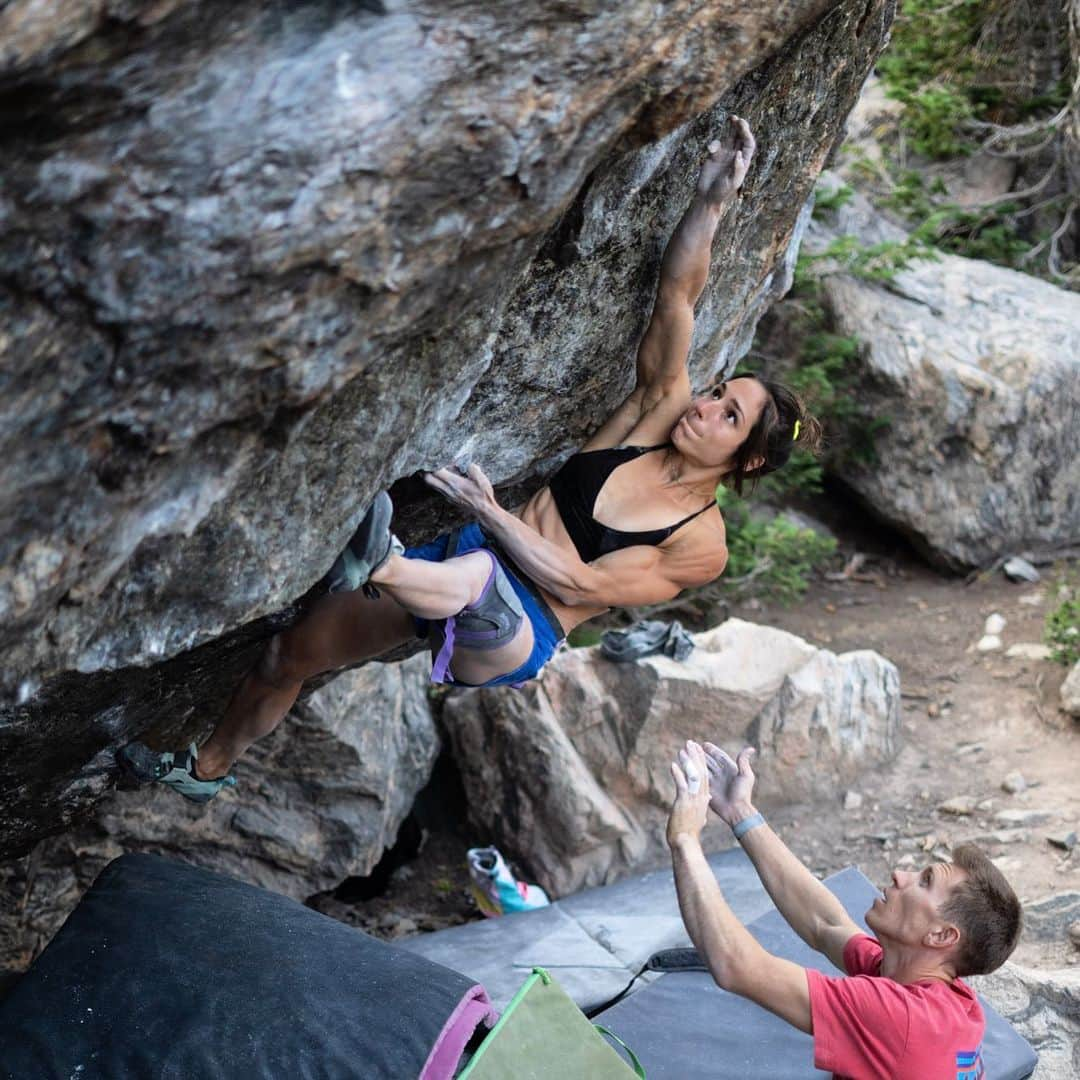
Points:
x=665, y=345
x=685, y=267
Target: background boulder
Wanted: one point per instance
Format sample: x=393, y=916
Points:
x=571, y=775
x=1070, y=691
x=975, y=370
x=262, y=260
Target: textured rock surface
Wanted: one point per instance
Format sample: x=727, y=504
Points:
x=262, y=259
x=1070, y=691
x=571, y=775
x=977, y=370
x=317, y=802
x=1044, y=1006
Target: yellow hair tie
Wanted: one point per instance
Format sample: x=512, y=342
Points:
x=795, y=433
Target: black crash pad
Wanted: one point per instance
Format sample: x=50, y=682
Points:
x=170, y=972
x=684, y=1019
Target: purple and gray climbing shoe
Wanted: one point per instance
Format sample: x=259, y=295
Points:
x=176, y=771
x=371, y=545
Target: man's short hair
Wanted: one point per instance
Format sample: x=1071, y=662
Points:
x=986, y=911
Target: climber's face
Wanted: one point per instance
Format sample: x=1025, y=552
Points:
x=716, y=424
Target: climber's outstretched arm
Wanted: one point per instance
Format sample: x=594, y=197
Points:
x=662, y=392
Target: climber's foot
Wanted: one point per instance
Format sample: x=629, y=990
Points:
x=371, y=545
x=177, y=771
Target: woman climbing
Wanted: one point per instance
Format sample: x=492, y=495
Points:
x=630, y=519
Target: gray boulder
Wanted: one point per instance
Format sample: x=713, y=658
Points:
x=976, y=370
x=261, y=261
x=571, y=775
x=1070, y=691
x=317, y=801
x=1044, y=1006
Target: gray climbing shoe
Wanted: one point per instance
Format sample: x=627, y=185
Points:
x=371, y=545
x=176, y=771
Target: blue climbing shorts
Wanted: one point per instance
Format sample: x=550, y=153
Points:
x=547, y=633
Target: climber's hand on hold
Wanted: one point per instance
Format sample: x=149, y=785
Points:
x=469, y=489
x=725, y=168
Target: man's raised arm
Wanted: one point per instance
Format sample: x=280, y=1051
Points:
x=807, y=905
x=735, y=958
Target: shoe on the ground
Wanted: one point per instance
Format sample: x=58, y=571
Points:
x=496, y=890
x=174, y=770
x=371, y=545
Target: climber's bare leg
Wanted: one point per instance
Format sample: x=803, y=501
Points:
x=345, y=628
x=435, y=597
x=341, y=628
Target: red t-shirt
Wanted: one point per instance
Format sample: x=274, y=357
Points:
x=867, y=1027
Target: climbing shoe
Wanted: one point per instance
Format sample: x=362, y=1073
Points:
x=176, y=771
x=371, y=545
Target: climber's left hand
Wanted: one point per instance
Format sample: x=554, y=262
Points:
x=468, y=488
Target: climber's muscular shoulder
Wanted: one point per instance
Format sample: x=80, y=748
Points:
x=697, y=553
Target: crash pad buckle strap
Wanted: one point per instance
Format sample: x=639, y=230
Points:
x=638, y=1068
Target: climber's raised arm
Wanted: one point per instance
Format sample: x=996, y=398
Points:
x=662, y=391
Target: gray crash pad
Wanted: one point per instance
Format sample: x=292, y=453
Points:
x=683, y=1019
x=594, y=942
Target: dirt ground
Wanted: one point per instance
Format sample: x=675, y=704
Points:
x=970, y=720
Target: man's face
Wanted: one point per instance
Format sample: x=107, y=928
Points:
x=910, y=907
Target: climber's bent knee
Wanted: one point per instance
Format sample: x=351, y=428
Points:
x=496, y=618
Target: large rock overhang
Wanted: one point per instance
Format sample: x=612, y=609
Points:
x=261, y=261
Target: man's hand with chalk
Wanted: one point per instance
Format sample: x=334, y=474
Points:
x=691, y=806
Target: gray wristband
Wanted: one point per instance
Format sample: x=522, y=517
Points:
x=741, y=828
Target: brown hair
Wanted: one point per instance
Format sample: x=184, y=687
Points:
x=985, y=910
x=774, y=435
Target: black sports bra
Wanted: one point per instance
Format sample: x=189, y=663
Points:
x=575, y=488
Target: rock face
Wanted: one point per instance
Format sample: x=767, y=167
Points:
x=262, y=260
x=977, y=371
x=318, y=801
x=1070, y=691
x=571, y=774
x=1044, y=1006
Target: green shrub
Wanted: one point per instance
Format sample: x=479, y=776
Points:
x=932, y=67
x=827, y=199
x=879, y=262
x=771, y=558
x=1062, y=630
x=953, y=65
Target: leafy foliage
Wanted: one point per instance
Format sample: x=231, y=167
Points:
x=948, y=65
x=830, y=199
x=992, y=234
x=989, y=75
x=871, y=262
x=581, y=637
x=1062, y=629
x=770, y=557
